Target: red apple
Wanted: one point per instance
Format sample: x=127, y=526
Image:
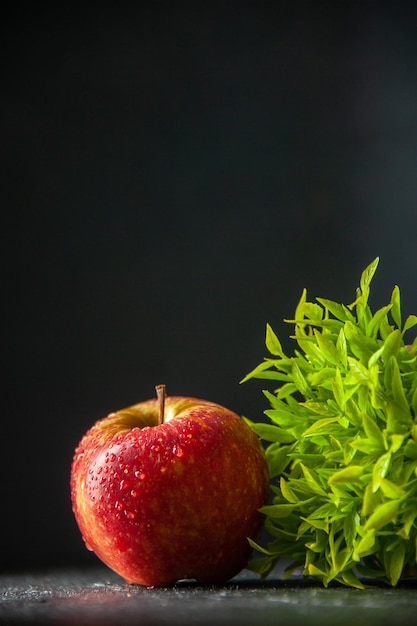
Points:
x=170, y=489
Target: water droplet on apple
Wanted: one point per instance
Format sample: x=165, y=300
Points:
x=124, y=484
x=99, y=470
x=178, y=451
x=112, y=457
x=130, y=515
x=134, y=493
x=119, y=505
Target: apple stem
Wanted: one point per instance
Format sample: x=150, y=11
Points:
x=161, y=394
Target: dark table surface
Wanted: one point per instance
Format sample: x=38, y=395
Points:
x=98, y=596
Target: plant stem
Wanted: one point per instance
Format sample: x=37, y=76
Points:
x=161, y=394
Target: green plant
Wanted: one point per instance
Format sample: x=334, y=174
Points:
x=341, y=442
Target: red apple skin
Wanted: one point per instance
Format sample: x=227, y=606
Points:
x=162, y=502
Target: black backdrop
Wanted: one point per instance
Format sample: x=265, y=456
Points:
x=172, y=178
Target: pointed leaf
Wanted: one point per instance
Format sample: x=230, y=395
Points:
x=269, y=432
x=340, y=311
x=376, y=320
x=277, y=459
x=365, y=545
x=398, y=391
x=392, y=344
x=396, y=563
x=277, y=510
x=338, y=390
x=368, y=274
x=341, y=347
x=272, y=342
x=287, y=492
x=370, y=501
x=258, y=370
x=396, y=306
x=347, y=475
x=358, y=372
x=327, y=348
x=380, y=470
x=383, y=515
x=299, y=380
x=390, y=489
x=372, y=431
x=410, y=322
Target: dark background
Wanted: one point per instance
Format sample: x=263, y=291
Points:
x=172, y=177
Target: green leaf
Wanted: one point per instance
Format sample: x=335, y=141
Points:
x=338, y=390
x=363, y=291
x=287, y=492
x=398, y=391
x=409, y=323
x=300, y=306
x=373, y=431
x=396, y=563
x=340, y=311
x=373, y=359
x=312, y=481
x=259, y=369
x=319, y=524
x=368, y=446
x=276, y=511
x=320, y=408
x=312, y=312
x=282, y=417
x=277, y=458
x=322, y=426
x=383, y=515
x=268, y=432
x=358, y=372
x=392, y=345
x=365, y=545
x=341, y=348
x=286, y=390
x=347, y=475
x=396, y=306
x=262, y=566
x=370, y=500
x=390, y=489
x=375, y=323
x=380, y=470
x=272, y=342
x=368, y=274
x=327, y=348
x=351, y=580
x=405, y=530
x=259, y=548
x=299, y=380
